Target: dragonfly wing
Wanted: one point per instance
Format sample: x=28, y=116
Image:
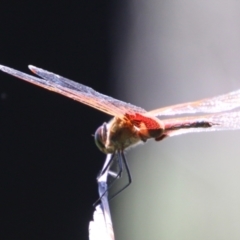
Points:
x=213, y=122
x=220, y=103
x=76, y=91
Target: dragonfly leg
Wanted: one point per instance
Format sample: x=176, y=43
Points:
x=124, y=161
x=119, y=174
x=116, y=176
x=121, y=161
x=107, y=166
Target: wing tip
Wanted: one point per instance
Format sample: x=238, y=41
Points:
x=3, y=68
x=32, y=68
x=8, y=69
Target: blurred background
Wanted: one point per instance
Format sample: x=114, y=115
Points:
x=152, y=54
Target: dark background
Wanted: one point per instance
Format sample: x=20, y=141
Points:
x=49, y=162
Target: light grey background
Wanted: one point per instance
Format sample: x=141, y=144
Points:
x=168, y=52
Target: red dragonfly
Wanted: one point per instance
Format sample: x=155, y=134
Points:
x=131, y=124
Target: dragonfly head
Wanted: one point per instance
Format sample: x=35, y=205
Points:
x=100, y=138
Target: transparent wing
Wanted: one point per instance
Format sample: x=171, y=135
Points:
x=76, y=91
x=213, y=122
x=220, y=103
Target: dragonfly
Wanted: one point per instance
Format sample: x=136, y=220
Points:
x=132, y=125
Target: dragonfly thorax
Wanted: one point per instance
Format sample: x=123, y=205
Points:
x=117, y=135
x=122, y=133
